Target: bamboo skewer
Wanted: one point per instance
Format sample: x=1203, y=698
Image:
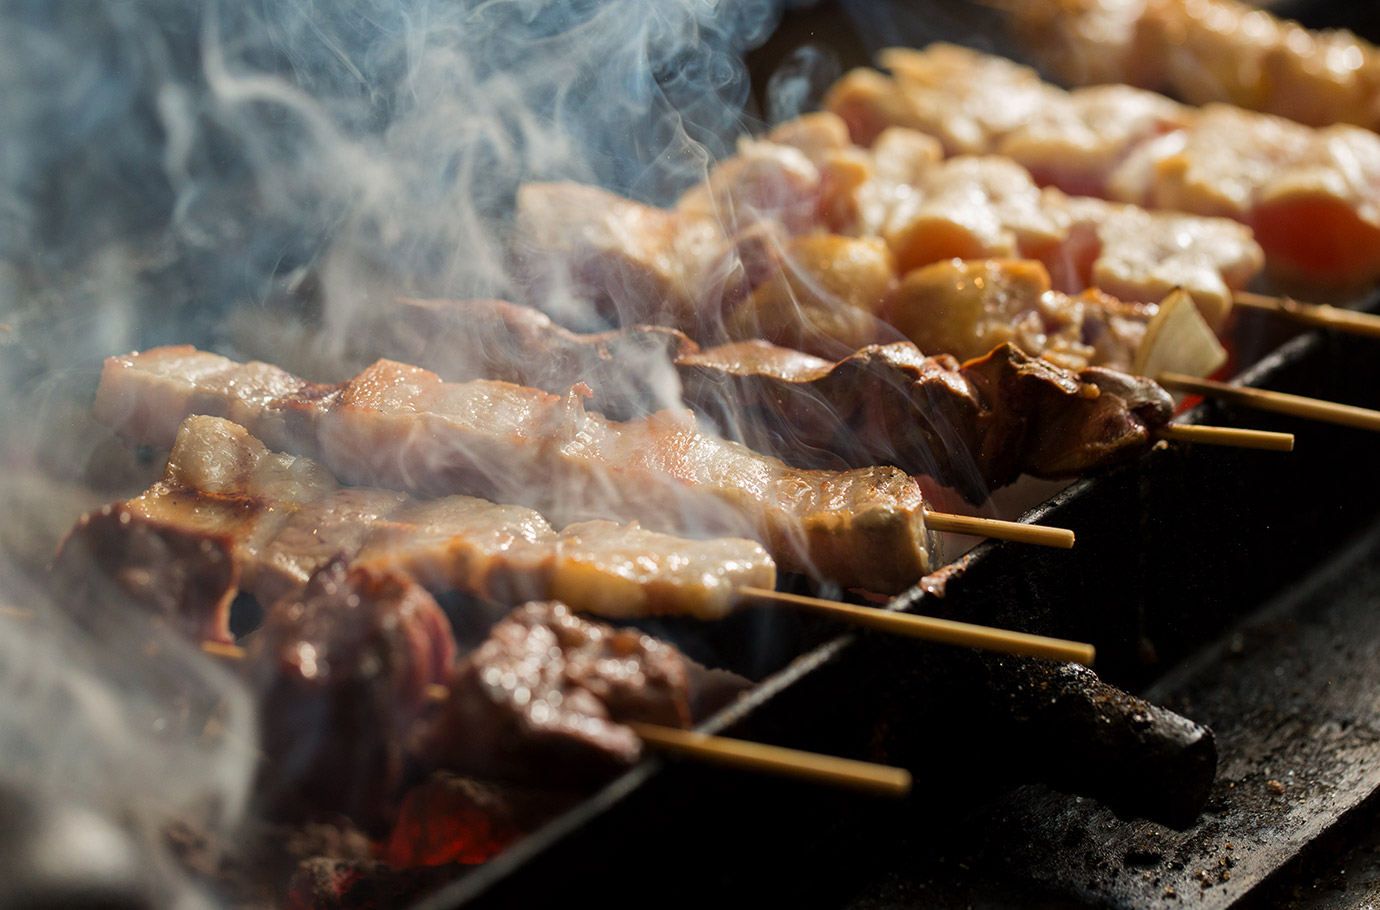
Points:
x=1002, y=530
x=1314, y=314
x=882, y=780
x=930, y=628
x=1229, y=436
x=1295, y=405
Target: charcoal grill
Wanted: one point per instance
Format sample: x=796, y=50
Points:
x=1253, y=577
x=1241, y=589
x=1205, y=582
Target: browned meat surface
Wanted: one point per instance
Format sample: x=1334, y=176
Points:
x=493, y=339
x=184, y=577
x=1308, y=194
x=974, y=427
x=632, y=262
x=402, y=427
x=1061, y=422
x=546, y=696
x=884, y=404
x=341, y=674
x=824, y=299
x=245, y=516
x=1204, y=51
x=968, y=307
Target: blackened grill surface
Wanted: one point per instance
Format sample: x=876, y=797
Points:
x=1173, y=550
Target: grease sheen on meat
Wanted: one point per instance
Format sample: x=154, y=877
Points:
x=402, y=427
x=546, y=697
x=341, y=672
x=283, y=517
x=881, y=404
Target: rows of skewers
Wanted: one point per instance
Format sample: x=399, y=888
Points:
x=943, y=281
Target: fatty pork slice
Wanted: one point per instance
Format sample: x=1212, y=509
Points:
x=546, y=698
x=629, y=370
x=341, y=672
x=279, y=518
x=632, y=262
x=403, y=428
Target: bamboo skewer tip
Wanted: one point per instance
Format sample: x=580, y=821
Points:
x=931, y=628
x=882, y=780
x=1265, y=440
x=1015, y=531
x=1314, y=314
x=1279, y=402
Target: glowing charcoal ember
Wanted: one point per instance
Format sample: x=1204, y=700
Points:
x=402, y=427
x=341, y=673
x=452, y=819
x=545, y=697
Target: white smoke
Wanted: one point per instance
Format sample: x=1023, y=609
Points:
x=169, y=164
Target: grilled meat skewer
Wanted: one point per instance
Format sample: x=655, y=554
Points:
x=1307, y=193
x=1204, y=51
x=974, y=427
x=403, y=427
x=267, y=522
x=343, y=670
x=874, y=214
x=546, y=697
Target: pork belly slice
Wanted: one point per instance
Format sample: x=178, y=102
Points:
x=401, y=427
x=547, y=695
x=881, y=404
x=631, y=262
x=279, y=518
x=341, y=672
x=494, y=339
